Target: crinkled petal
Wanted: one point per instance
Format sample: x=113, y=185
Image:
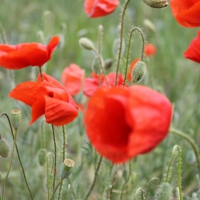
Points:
x=58, y=112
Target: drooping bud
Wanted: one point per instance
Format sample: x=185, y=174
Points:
x=86, y=43
x=156, y=3
x=42, y=156
x=139, y=71
x=149, y=25
x=66, y=168
x=164, y=192
x=16, y=118
x=4, y=148
x=108, y=63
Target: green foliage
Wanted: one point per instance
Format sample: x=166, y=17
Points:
x=168, y=71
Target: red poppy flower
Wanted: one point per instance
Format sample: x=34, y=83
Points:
x=72, y=78
x=100, y=8
x=193, y=51
x=186, y=12
x=149, y=49
x=129, y=74
x=122, y=123
x=92, y=84
x=26, y=54
x=47, y=97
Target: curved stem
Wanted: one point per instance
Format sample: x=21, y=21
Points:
x=54, y=191
x=121, y=39
x=129, y=175
x=55, y=153
x=129, y=48
x=185, y=136
x=95, y=178
x=23, y=171
x=7, y=174
x=102, y=66
x=18, y=155
x=148, y=188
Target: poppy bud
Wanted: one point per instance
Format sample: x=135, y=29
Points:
x=16, y=118
x=156, y=3
x=42, y=156
x=164, y=192
x=66, y=168
x=108, y=63
x=4, y=148
x=86, y=43
x=149, y=25
x=138, y=71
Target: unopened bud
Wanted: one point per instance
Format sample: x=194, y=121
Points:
x=164, y=192
x=149, y=25
x=66, y=168
x=138, y=71
x=108, y=63
x=156, y=3
x=4, y=148
x=42, y=156
x=86, y=43
x=16, y=118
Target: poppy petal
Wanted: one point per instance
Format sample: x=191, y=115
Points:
x=58, y=112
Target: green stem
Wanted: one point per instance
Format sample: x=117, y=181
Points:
x=175, y=148
x=100, y=38
x=113, y=183
x=40, y=70
x=23, y=171
x=129, y=48
x=192, y=143
x=54, y=191
x=121, y=39
x=63, y=157
x=101, y=65
x=18, y=155
x=129, y=175
x=73, y=192
x=148, y=188
x=95, y=178
x=55, y=153
x=11, y=160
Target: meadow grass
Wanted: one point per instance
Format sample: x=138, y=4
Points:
x=168, y=72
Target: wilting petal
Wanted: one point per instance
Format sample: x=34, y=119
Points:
x=58, y=112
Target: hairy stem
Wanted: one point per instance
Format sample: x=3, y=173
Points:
x=95, y=178
x=121, y=39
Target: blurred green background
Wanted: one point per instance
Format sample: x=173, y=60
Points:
x=168, y=72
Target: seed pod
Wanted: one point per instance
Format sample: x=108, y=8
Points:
x=66, y=168
x=4, y=148
x=16, y=118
